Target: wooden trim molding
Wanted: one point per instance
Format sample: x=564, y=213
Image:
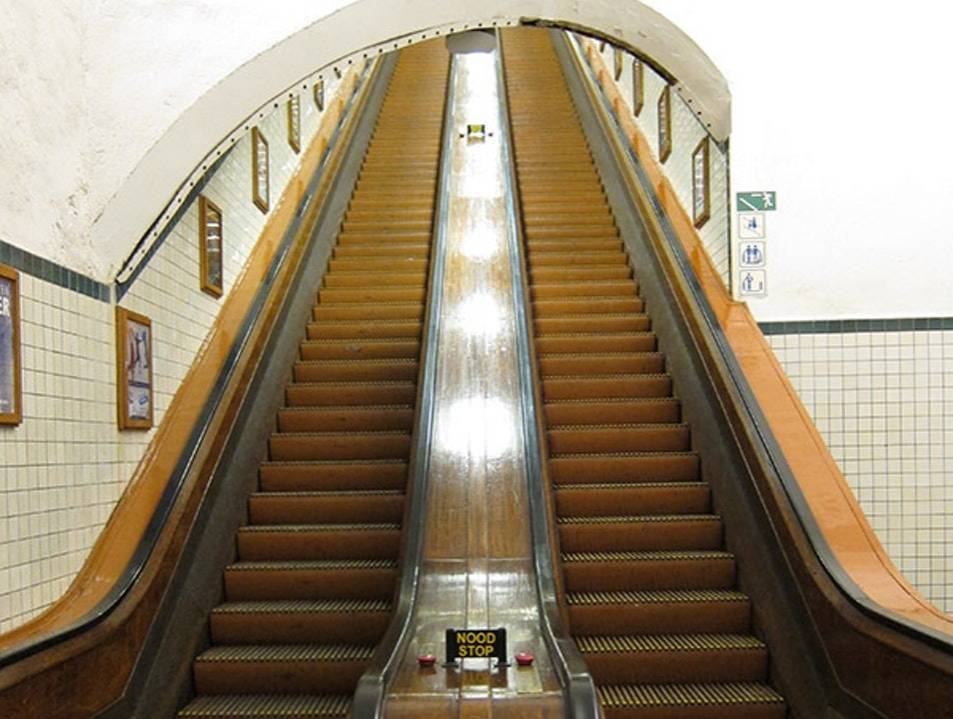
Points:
x=11, y=367
x=260, y=171
x=135, y=392
x=211, y=248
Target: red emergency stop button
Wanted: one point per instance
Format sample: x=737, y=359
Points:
x=525, y=659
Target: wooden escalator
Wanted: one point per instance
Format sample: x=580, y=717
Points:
x=310, y=593
x=651, y=591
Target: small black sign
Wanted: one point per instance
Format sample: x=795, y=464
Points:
x=476, y=644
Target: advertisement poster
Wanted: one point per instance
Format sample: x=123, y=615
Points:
x=134, y=363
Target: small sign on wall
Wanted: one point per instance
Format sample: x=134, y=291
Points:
x=753, y=254
x=751, y=226
x=134, y=369
x=753, y=283
x=764, y=201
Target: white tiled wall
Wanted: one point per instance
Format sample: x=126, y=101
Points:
x=687, y=132
x=883, y=402
x=65, y=466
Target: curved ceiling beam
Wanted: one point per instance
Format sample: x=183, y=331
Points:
x=149, y=195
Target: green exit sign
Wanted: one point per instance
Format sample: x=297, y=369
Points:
x=757, y=201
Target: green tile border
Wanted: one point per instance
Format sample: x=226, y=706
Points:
x=821, y=327
x=44, y=269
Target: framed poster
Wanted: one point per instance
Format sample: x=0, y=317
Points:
x=638, y=86
x=211, y=263
x=294, y=123
x=134, y=369
x=319, y=95
x=665, y=124
x=259, y=170
x=701, y=177
x=617, y=59
x=11, y=397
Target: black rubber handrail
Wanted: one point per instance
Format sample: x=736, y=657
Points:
x=781, y=471
x=186, y=463
x=574, y=676
x=370, y=693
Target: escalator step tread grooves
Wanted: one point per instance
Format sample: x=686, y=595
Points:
x=295, y=606
x=313, y=564
x=667, y=643
x=644, y=556
x=341, y=443
x=613, y=433
x=287, y=653
x=684, y=596
x=688, y=694
x=270, y=706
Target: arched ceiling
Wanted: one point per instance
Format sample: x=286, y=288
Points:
x=148, y=187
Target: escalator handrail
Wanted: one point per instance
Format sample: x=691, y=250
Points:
x=581, y=698
x=199, y=435
x=754, y=416
x=370, y=693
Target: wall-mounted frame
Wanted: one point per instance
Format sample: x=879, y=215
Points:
x=134, y=390
x=318, y=90
x=294, y=123
x=665, y=124
x=638, y=86
x=259, y=170
x=211, y=257
x=617, y=59
x=701, y=183
x=11, y=395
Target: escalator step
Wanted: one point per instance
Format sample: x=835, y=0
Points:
x=377, y=348
x=281, y=668
x=323, y=507
x=586, y=500
x=674, y=658
x=598, y=439
x=335, y=475
x=342, y=419
x=662, y=569
x=593, y=363
x=735, y=700
x=661, y=611
x=302, y=620
x=297, y=446
x=314, y=579
x=267, y=706
x=625, y=467
x=319, y=541
x=640, y=532
x=356, y=370
x=617, y=411
x=587, y=342
x=309, y=394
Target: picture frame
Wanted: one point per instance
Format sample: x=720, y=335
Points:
x=617, y=61
x=701, y=183
x=318, y=91
x=134, y=359
x=638, y=86
x=11, y=368
x=260, y=171
x=665, y=123
x=211, y=249
x=294, y=123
